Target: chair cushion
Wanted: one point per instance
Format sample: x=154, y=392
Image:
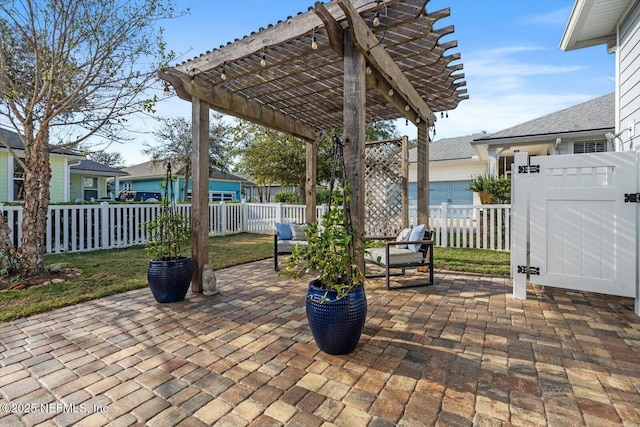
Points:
x=298, y=231
x=396, y=256
x=417, y=233
x=286, y=246
x=403, y=237
x=284, y=231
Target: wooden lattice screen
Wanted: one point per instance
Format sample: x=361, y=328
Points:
x=386, y=187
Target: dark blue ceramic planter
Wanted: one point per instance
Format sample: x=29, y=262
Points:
x=336, y=324
x=169, y=280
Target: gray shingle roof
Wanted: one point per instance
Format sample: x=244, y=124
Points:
x=153, y=169
x=593, y=115
x=14, y=141
x=87, y=165
x=455, y=148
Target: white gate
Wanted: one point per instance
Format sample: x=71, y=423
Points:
x=575, y=223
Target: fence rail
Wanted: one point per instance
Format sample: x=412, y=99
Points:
x=88, y=227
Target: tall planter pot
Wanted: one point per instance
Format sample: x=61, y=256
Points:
x=336, y=324
x=169, y=280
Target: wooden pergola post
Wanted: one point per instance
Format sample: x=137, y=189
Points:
x=200, y=190
x=311, y=151
x=354, y=131
x=423, y=173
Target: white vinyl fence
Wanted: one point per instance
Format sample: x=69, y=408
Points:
x=87, y=227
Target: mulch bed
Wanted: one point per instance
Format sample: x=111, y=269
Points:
x=46, y=278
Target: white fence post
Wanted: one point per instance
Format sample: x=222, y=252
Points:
x=444, y=223
x=520, y=184
x=223, y=218
x=104, y=224
x=245, y=216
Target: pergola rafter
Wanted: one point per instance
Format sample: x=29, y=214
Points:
x=356, y=72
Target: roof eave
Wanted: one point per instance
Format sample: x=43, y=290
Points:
x=517, y=139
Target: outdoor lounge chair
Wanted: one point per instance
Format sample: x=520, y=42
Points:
x=400, y=254
x=287, y=237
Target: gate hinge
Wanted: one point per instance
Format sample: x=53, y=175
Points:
x=523, y=269
x=529, y=169
x=632, y=198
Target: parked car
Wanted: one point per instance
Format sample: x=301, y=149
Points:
x=139, y=196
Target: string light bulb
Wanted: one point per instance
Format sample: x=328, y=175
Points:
x=390, y=91
x=223, y=75
x=166, y=91
x=407, y=108
x=417, y=119
x=376, y=18
x=368, y=70
x=263, y=60
x=314, y=42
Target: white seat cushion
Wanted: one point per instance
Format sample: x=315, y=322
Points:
x=397, y=256
x=286, y=246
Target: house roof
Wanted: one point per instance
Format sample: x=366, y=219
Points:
x=593, y=22
x=89, y=166
x=591, y=116
x=456, y=148
x=14, y=141
x=156, y=169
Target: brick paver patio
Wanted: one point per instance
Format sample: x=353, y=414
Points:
x=462, y=352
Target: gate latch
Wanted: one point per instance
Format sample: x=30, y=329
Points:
x=523, y=269
x=632, y=198
x=529, y=169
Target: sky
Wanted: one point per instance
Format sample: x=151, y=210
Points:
x=514, y=69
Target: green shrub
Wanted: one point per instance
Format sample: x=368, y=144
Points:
x=290, y=197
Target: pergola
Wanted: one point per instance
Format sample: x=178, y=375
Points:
x=340, y=64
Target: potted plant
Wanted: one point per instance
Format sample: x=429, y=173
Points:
x=336, y=304
x=169, y=272
x=479, y=184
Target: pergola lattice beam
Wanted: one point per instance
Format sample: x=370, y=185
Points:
x=235, y=105
x=380, y=60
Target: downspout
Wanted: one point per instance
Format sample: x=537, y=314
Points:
x=67, y=184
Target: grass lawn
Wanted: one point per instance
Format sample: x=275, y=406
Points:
x=115, y=271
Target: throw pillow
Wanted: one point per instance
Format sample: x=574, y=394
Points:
x=417, y=234
x=298, y=231
x=403, y=237
x=284, y=231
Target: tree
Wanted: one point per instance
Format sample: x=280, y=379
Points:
x=71, y=70
x=174, y=136
x=114, y=160
x=271, y=157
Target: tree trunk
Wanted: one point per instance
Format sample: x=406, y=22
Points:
x=37, y=177
x=5, y=231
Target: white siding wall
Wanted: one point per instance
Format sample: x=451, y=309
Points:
x=629, y=75
x=451, y=170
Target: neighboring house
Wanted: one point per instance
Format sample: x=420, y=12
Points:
x=615, y=23
x=582, y=128
x=453, y=162
x=72, y=176
x=91, y=180
x=148, y=176
x=266, y=193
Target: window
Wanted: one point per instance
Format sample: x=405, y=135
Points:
x=18, y=180
x=222, y=197
x=218, y=196
x=589, y=147
x=90, y=188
